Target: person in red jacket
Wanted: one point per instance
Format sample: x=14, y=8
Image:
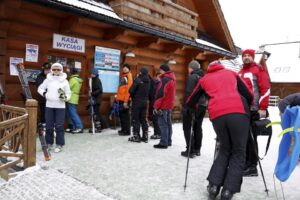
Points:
x=163, y=105
x=257, y=79
x=228, y=108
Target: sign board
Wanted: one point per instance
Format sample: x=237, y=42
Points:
x=13, y=62
x=107, y=59
x=32, y=53
x=68, y=43
x=32, y=74
x=110, y=80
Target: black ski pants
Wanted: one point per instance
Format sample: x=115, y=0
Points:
x=195, y=124
x=138, y=114
x=99, y=120
x=124, y=118
x=251, y=150
x=227, y=169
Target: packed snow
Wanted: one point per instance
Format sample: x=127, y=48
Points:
x=119, y=169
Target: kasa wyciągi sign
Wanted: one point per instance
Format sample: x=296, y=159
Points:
x=68, y=43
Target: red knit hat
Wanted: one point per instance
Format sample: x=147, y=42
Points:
x=251, y=52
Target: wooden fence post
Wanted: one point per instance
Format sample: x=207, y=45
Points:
x=31, y=107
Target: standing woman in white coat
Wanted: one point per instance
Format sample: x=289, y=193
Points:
x=56, y=90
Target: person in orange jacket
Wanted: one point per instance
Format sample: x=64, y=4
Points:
x=123, y=100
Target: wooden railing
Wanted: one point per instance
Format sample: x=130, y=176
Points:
x=17, y=135
x=160, y=14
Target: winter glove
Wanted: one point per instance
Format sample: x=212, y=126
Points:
x=262, y=113
x=255, y=116
x=157, y=112
x=62, y=95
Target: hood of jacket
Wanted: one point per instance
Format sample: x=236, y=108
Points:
x=168, y=74
x=144, y=78
x=77, y=78
x=198, y=72
x=215, y=67
x=61, y=77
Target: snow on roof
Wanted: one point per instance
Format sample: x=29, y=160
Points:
x=93, y=6
x=200, y=41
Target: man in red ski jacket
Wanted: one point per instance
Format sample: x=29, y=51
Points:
x=257, y=80
x=163, y=105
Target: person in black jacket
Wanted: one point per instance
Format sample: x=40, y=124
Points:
x=41, y=100
x=153, y=88
x=139, y=93
x=290, y=100
x=193, y=117
x=96, y=93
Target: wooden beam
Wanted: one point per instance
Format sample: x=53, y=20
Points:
x=114, y=33
x=2, y=46
x=145, y=42
x=68, y=23
x=171, y=48
x=8, y=9
x=192, y=53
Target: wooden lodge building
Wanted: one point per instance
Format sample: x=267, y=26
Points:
x=75, y=32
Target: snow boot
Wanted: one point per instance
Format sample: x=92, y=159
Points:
x=135, y=138
x=58, y=149
x=226, y=194
x=155, y=137
x=213, y=191
x=77, y=130
x=250, y=171
x=145, y=137
x=185, y=154
x=160, y=146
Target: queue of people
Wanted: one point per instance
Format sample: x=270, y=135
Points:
x=234, y=101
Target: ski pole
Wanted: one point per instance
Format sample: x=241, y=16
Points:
x=188, y=156
x=260, y=167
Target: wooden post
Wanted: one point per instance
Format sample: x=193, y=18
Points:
x=31, y=107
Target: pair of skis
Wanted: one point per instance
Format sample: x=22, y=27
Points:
x=27, y=94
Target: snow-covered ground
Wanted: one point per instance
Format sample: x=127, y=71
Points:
x=136, y=171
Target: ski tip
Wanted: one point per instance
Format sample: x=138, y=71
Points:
x=47, y=158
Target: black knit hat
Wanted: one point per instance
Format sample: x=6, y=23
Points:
x=126, y=65
x=144, y=70
x=73, y=70
x=46, y=65
x=165, y=67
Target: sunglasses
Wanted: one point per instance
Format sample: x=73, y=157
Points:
x=56, y=70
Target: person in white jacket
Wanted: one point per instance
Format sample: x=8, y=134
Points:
x=56, y=90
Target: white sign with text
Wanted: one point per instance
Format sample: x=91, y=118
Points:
x=68, y=43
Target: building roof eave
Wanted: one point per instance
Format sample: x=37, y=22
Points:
x=130, y=25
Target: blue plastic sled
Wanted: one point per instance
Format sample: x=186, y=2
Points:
x=289, y=148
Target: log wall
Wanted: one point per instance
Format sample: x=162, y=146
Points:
x=33, y=24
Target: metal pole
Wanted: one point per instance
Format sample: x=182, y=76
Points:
x=188, y=156
x=260, y=167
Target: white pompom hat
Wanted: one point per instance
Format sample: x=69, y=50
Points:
x=57, y=66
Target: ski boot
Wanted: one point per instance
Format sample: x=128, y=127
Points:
x=135, y=138
x=226, y=194
x=145, y=137
x=213, y=191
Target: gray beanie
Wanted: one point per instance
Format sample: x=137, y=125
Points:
x=194, y=65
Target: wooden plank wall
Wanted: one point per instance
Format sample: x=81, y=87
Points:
x=34, y=24
x=284, y=89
